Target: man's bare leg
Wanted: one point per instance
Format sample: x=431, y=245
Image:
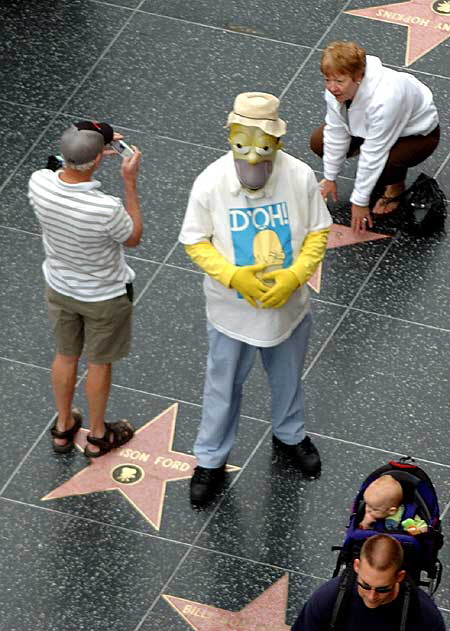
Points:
x=383, y=205
x=98, y=385
x=64, y=377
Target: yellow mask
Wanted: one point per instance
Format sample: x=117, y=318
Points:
x=251, y=146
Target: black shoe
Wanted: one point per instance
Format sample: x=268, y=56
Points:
x=304, y=455
x=205, y=483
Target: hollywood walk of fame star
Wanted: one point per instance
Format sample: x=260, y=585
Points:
x=139, y=470
x=338, y=237
x=427, y=21
x=266, y=613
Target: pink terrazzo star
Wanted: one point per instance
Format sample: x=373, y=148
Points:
x=266, y=613
x=427, y=21
x=139, y=470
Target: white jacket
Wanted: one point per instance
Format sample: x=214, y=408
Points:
x=387, y=105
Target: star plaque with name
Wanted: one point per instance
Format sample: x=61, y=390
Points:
x=266, y=613
x=139, y=470
x=427, y=21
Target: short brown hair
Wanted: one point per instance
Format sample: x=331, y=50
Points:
x=343, y=58
x=382, y=552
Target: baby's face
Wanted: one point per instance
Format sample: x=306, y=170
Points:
x=376, y=506
x=377, y=511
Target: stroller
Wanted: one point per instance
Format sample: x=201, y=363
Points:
x=421, y=551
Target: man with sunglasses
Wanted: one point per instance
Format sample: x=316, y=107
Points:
x=377, y=596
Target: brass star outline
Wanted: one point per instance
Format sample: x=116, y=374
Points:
x=149, y=455
x=427, y=26
x=266, y=613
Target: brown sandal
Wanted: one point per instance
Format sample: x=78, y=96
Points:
x=389, y=199
x=68, y=434
x=121, y=433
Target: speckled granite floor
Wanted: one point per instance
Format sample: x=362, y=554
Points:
x=84, y=549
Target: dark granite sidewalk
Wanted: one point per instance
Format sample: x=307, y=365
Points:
x=165, y=73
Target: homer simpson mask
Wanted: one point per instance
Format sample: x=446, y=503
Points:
x=255, y=131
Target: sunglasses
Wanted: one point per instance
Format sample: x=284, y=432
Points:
x=379, y=590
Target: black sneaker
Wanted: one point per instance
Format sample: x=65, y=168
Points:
x=205, y=483
x=304, y=455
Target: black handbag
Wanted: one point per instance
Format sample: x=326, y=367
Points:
x=424, y=207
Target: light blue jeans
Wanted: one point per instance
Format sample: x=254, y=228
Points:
x=229, y=362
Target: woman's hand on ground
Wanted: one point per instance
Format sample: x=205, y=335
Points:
x=328, y=187
x=361, y=218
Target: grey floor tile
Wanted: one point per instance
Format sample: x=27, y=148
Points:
x=346, y=268
x=26, y=410
x=285, y=21
x=437, y=60
x=412, y=282
x=384, y=383
x=59, y=572
x=443, y=180
x=45, y=471
x=155, y=77
x=170, y=325
x=303, y=108
x=441, y=94
x=27, y=336
x=285, y=522
x=19, y=128
x=129, y=4
x=181, y=259
x=446, y=616
x=156, y=622
x=63, y=42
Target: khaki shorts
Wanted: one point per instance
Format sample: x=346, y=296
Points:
x=104, y=326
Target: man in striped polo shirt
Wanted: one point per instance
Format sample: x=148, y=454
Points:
x=89, y=284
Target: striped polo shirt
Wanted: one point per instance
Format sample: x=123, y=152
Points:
x=82, y=232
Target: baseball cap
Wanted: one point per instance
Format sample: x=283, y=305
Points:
x=105, y=129
x=83, y=141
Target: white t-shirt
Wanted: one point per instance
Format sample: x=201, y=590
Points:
x=248, y=227
x=82, y=232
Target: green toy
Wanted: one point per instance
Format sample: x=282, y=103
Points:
x=414, y=526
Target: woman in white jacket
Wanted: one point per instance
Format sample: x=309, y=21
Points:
x=388, y=118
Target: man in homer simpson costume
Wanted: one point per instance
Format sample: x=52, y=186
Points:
x=257, y=225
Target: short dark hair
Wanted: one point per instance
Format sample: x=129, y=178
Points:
x=382, y=552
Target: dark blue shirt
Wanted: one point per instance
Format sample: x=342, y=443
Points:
x=316, y=614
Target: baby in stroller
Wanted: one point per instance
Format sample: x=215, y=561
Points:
x=383, y=506
x=417, y=500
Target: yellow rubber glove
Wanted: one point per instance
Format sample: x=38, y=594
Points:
x=287, y=280
x=242, y=279
x=245, y=282
x=205, y=255
x=311, y=254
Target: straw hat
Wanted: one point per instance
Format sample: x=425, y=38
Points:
x=258, y=109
